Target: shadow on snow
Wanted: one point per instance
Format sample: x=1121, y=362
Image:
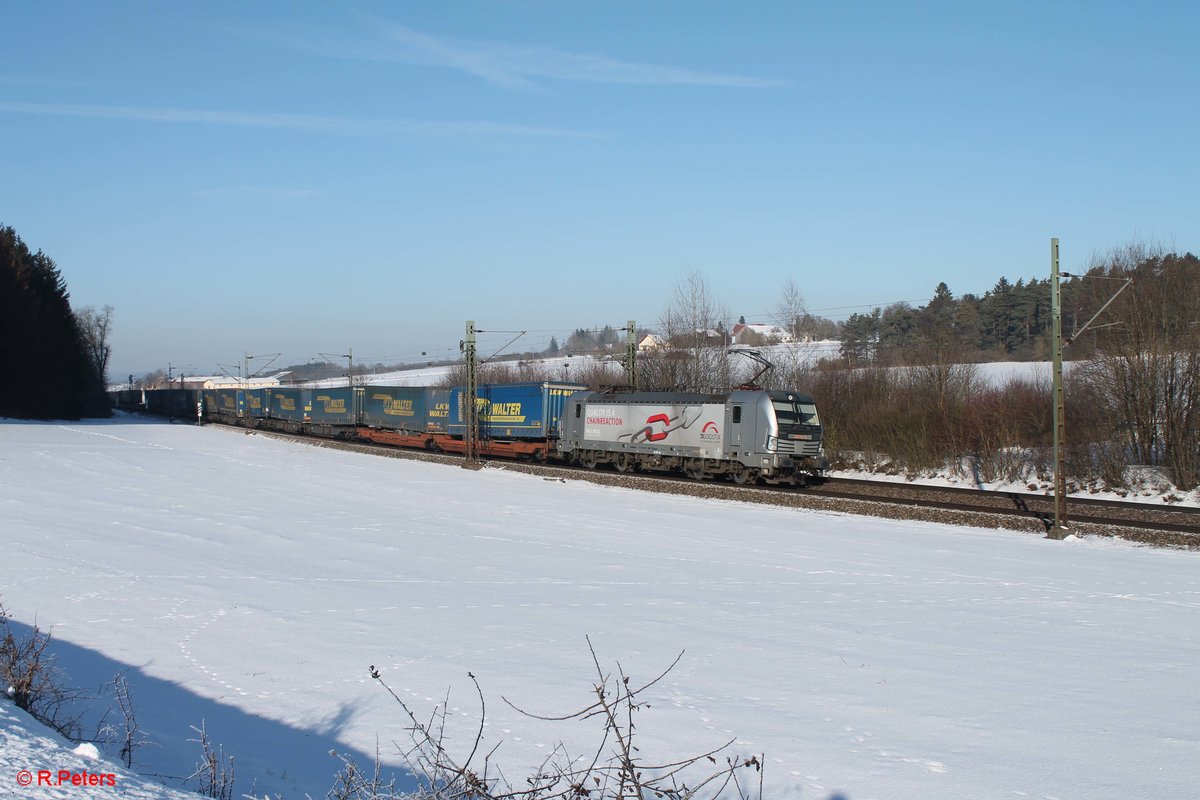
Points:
x=270, y=757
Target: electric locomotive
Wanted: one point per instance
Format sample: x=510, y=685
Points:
x=745, y=435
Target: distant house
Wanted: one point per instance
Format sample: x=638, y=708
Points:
x=757, y=334
x=650, y=342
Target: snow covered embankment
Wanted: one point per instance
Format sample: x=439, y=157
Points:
x=35, y=762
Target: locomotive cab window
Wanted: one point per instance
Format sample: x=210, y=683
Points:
x=794, y=415
x=737, y=414
x=577, y=407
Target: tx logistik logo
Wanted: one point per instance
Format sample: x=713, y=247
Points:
x=710, y=432
x=64, y=777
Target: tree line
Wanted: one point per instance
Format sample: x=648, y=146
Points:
x=1011, y=321
x=52, y=359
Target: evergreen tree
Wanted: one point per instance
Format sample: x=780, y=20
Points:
x=860, y=335
x=898, y=328
x=43, y=354
x=935, y=325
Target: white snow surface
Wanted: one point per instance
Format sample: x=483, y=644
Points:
x=27, y=746
x=248, y=583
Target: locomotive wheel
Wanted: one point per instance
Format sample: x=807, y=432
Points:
x=695, y=470
x=744, y=475
x=588, y=460
x=624, y=463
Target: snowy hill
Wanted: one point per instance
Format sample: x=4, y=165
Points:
x=996, y=373
x=35, y=757
x=248, y=583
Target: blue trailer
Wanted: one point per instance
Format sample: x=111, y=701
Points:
x=334, y=412
x=514, y=411
x=128, y=399
x=395, y=408
x=235, y=406
x=406, y=409
x=212, y=405
x=257, y=403
x=406, y=416
x=172, y=403
x=288, y=408
x=229, y=404
x=437, y=410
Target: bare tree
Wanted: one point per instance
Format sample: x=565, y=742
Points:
x=95, y=327
x=790, y=311
x=154, y=380
x=693, y=328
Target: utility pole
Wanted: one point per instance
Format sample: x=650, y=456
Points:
x=246, y=359
x=470, y=407
x=245, y=409
x=1060, y=529
x=349, y=356
x=631, y=354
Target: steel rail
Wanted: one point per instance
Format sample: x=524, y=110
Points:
x=1183, y=525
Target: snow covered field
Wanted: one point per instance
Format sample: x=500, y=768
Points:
x=248, y=583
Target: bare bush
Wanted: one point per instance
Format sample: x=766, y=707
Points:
x=931, y=417
x=355, y=783
x=1146, y=369
x=1001, y=429
x=130, y=734
x=613, y=769
x=214, y=773
x=501, y=372
x=33, y=682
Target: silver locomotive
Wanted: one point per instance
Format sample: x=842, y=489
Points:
x=742, y=435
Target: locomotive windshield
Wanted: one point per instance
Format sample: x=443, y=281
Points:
x=794, y=416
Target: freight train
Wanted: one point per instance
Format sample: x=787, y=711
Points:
x=745, y=435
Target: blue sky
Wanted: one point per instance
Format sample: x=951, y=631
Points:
x=306, y=177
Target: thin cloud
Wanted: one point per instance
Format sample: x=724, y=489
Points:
x=500, y=64
x=354, y=125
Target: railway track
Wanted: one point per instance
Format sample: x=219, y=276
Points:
x=1163, y=526
x=1026, y=505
